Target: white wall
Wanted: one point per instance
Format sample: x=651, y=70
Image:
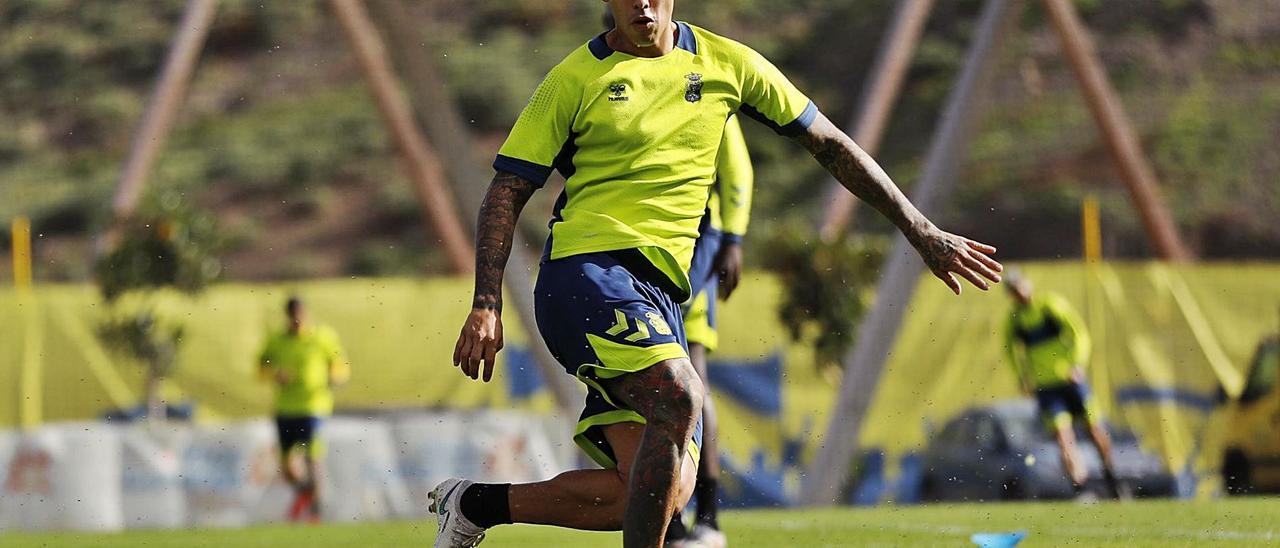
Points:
x=103, y=477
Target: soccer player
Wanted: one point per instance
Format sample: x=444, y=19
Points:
x=305, y=362
x=715, y=269
x=1048, y=347
x=634, y=120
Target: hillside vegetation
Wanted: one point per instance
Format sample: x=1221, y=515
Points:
x=280, y=140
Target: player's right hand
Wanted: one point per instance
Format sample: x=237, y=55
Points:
x=728, y=265
x=479, y=343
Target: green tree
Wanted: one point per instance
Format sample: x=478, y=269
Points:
x=169, y=246
x=827, y=287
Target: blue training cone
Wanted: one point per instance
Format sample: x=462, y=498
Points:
x=998, y=540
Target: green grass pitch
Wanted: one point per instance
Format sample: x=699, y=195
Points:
x=1235, y=522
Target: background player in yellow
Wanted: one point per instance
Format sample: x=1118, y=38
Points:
x=305, y=362
x=1049, y=347
x=634, y=120
x=715, y=272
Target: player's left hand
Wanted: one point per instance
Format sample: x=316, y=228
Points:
x=479, y=343
x=728, y=264
x=1077, y=375
x=949, y=254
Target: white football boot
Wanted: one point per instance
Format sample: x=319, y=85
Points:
x=703, y=536
x=456, y=531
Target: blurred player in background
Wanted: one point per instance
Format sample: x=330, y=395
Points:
x=1049, y=346
x=305, y=362
x=634, y=120
x=715, y=272
x=1267, y=352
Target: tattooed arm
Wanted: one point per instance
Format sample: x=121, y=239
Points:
x=481, y=336
x=944, y=253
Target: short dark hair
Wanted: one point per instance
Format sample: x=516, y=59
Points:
x=293, y=305
x=607, y=19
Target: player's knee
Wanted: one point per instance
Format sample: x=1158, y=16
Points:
x=679, y=398
x=668, y=395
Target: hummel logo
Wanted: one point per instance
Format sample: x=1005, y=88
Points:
x=617, y=92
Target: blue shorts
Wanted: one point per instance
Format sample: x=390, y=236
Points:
x=299, y=432
x=604, y=315
x=701, y=276
x=700, y=310
x=1063, y=403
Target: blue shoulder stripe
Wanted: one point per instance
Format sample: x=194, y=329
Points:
x=599, y=47
x=803, y=121
x=796, y=127
x=529, y=171
x=686, y=40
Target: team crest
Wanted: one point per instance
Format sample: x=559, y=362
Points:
x=693, y=92
x=618, y=91
x=658, y=323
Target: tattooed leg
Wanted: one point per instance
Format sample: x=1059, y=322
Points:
x=593, y=500
x=669, y=396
